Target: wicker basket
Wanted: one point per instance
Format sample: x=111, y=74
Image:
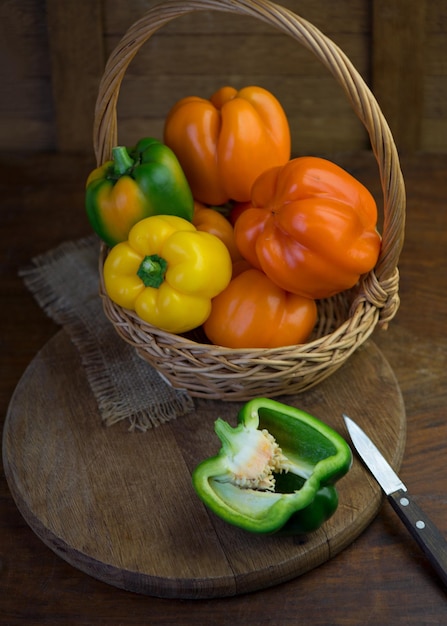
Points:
x=346, y=320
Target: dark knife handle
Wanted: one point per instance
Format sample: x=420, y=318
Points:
x=423, y=530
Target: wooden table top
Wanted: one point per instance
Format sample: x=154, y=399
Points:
x=382, y=577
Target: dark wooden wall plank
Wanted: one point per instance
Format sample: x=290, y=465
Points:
x=398, y=66
x=26, y=108
x=77, y=60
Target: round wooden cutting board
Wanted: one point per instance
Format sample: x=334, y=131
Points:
x=120, y=506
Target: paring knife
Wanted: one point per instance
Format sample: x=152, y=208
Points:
x=421, y=528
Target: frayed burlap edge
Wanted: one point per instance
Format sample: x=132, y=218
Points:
x=125, y=387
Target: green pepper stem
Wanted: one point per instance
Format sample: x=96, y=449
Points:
x=224, y=431
x=122, y=162
x=152, y=270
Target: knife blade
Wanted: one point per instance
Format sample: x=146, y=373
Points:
x=421, y=528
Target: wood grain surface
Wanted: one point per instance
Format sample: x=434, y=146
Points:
x=380, y=578
x=120, y=506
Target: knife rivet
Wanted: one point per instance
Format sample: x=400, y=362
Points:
x=420, y=524
x=404, y=501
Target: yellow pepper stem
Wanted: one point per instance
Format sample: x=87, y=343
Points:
x=152, y=270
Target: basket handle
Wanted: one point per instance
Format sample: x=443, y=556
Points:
x=362, y=101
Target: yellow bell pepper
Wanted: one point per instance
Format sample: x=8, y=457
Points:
x=167, y=272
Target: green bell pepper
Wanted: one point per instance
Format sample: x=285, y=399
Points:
x=275, y=470
x=137, y=183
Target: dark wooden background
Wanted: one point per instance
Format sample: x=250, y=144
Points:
x=53, y=54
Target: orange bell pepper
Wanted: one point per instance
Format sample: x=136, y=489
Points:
x=311, y=228
x=211, y=221
x=226, y=142
x=253, y=312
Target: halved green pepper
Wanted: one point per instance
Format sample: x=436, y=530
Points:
x=276, y=470
x=138, y=182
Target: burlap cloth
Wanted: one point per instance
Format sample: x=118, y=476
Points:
x=65, y=281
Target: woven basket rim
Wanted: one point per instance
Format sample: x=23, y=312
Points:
x=361, y=307
x=377, y=293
